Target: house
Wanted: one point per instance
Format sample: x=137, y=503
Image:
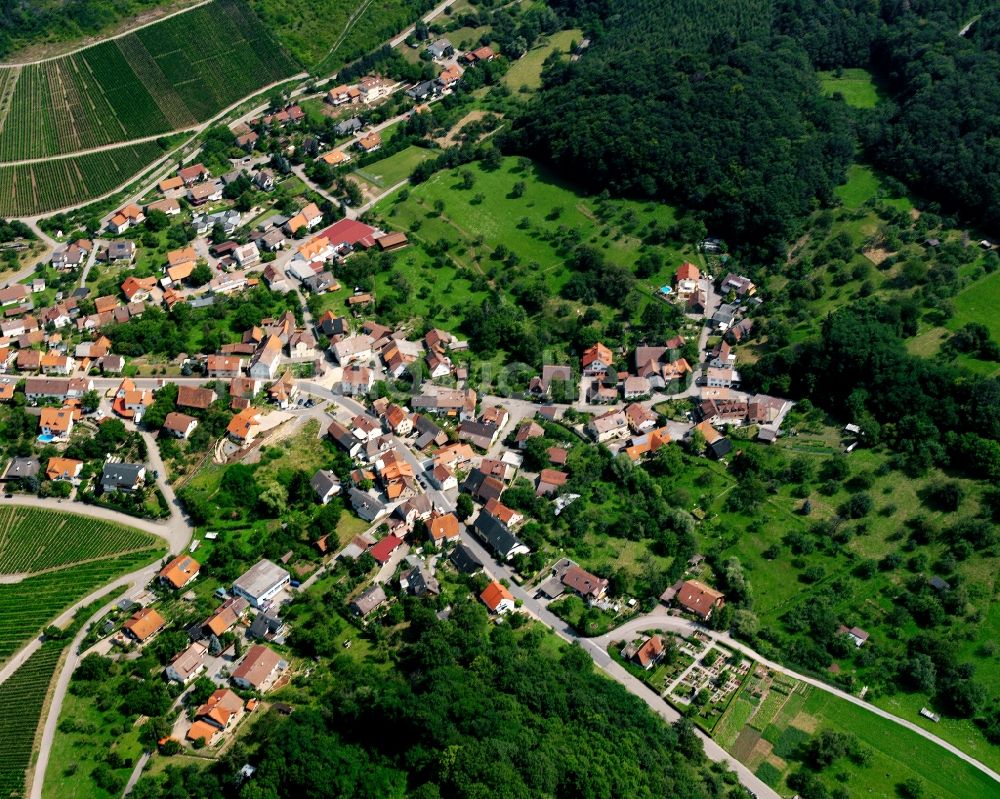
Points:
x=398, y=420
x=170, y=184
x=508, y=516
x=450, y=76
x=482, y=487
x=51, y=388
x=195, y=397
x=442, y=48
x=180, y=571
x=143, y=624
x=204, y=193
x=356, y=380
x=443, y=529
x=640, y=418
x=366, y=504
x=192, y=174
x=373, y=89
x=56, y=422
x=686, y=279
x=542, y=385
x=179, y=425
x=345, y=438
x=348, y=127
x=424, y=90
x=465, y=560
x=608, y=426
x=69, y=257
x=526, y=432
x=635, y=387
x=370, y=143
x=392, y=241
x=222, y=366
x=220, y=711
x=262, y=582
x=188, y=664
x=265, y=627
x=326, y=485
x=647, y=443
x=550, y=481
x=484, y=53
x=226, y=616
x=21, y=469
x=353, y=349
x=368, y=600
x=740, y=330
x=588, y=586
x=383, y=549
x=596, y=360
x=264, y=180
x=647, y=654
x=858, y=636
x=498, y=537
x=260, y=669
x=137, y=289
x=122, y=476
x=247, y=255
x=63, y=469
x=723, y=356
x=265, y=361
x=419, y=582
x=343, y=94
x=721, y=378
x=696, y=597
x=428, y=432
x=738, y=284
x=716, y=445
x=480, y=434
x=497, y=598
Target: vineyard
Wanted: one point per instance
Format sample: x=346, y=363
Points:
x=35, y=188
x=28, y=606
x=33, y=540
x=21, y=700
x=164, y=77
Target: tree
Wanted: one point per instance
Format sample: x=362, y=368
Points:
x=90, y=401
x=464, y=507
x=200, y=275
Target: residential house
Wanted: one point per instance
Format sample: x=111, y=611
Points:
x=260, y=669
x=419, y=582
x=686, y=279
x=498, y=537
x=192, y=174
x=716, y=445
x=345, y=438
x=738, y=284
x=596, y=360
x=247, y=255
x=63, y=469
x=443, y=528
x=356, y=380
x=646, y=653
x=484, y=53
x=721, y=378
x=635, y=387
x=265, y=361
x=541, y=386
x=348, y=127
x=370, y=143
x=497, y=598
x=220, y=712
x=122, y=476
x=180, y=571
x=261, y=583
x=640, y=418
x=188, y=664
x=143, y=624
x=205, y=192
x=221, y=366
x=723, y=356
x=398, y=420
x=366, y=504
x=608, y=426
x=696, y=597
x=465, y=560
x=243, y=427
x=326, y=485
x=353, y=349
x=550, y=481
x=53, y=388
x=368, y=600
x=858, y=636
x=480, y=434
x=588, y=586
x=508, y=516
x=441, y=48
x=179, y=425
x=57, y=423
x=195, y=397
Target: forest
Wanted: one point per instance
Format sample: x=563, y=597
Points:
x=472, y=710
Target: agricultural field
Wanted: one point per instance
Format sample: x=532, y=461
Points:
x=21, y=700
x=164, y=77
x=47, y=185
x=34, y=540
x=52, y=592
x=770, y=723
x=394, y=169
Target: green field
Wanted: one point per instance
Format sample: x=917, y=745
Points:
x=164, y=77
x=854, y=85
x=21, y=701
x=527, y=70
x=980, y=302
x=766, y=734
x=862, y=185
x=396, y=168
x=34, y=540
x=41, y=186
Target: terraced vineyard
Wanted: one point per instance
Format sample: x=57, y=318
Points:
x=164, y=77
x=33, y=540
x=40, y=186
x=21, y=701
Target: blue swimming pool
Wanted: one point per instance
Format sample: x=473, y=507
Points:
x=45, y=438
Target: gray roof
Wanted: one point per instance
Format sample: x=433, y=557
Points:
x=465, y=560
x=324, y=482
x=368, y=600
x=22, y=467
x=496, y=534
x=348, y=126
x=126, y=474
x=367, y=506
x=420, y=582
x=260, y=578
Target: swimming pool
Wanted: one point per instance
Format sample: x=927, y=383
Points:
x=45, y=438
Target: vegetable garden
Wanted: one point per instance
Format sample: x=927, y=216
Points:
x=21, y=700
x=33, y=540
x=164, y=77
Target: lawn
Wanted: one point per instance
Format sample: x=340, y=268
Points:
x=394, y=169
x=980, y=302
x=527, y=70
x=855, y=85
x=862, y=185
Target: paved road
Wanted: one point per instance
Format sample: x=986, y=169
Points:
x=398, y=40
